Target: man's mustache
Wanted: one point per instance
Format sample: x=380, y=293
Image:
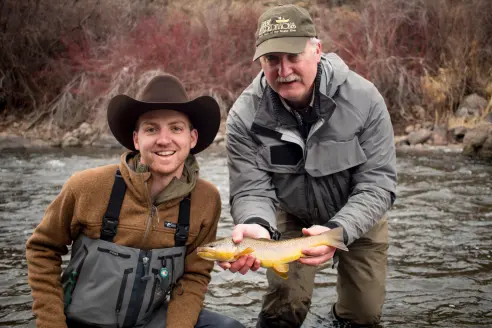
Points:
x=289, y=78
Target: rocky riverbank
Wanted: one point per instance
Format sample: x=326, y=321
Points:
x=468, y=132
x=419, y=138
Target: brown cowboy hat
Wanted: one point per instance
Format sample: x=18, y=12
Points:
x=164, y=92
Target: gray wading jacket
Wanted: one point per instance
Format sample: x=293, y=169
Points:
x=345, y=170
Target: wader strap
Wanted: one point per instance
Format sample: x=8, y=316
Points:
x=183, y=227
x=110, y=220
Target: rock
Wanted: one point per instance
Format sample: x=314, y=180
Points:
x=10, y=142
x=67, y=135
x=86, y=132
x=478, y=142
x=472, y=105
x=70, y=141
x=409, y=129
x=488, y=118
x=419, y=137
x=219, y=137
x=401, y=141
x=418, y=126
x=458, y=133
x=440, y=135
x=106, y=141
x=86, y=143
x=428, y=125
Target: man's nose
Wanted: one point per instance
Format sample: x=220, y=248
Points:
x=164, y=137
x=285, y=67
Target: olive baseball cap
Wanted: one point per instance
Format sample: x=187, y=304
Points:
x=283, y=28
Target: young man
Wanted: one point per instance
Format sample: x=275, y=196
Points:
x=310, y=145
x=134, y=226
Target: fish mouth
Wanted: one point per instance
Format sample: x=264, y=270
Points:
x=213, y=255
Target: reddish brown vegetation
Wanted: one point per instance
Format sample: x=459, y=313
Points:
x=60, y=62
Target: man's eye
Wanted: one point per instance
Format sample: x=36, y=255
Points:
x=150, y=130
x=271, y=59
x=294, y=58
x=176, y=129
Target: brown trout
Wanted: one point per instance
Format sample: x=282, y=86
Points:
x=272, y=254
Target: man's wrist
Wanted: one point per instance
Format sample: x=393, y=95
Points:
x=333, y=225
x=274, y=233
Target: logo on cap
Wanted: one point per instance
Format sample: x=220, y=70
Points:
x=281, y=20
x=281, y=25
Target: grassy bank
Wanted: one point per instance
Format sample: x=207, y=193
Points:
x=62, y=61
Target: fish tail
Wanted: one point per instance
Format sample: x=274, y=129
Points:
x=334, y=238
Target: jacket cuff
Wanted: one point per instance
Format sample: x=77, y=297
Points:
x=274, y=234
x=333, y=225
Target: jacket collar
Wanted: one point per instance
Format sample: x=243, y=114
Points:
x=139, y=183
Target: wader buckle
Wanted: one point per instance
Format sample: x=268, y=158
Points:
x=181, y=234
x=109, y=225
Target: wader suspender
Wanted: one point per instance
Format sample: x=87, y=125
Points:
x=111, y=218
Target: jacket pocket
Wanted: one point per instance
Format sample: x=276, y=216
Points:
x=114, y=253
x=280, y=158
x=328, y=157
x=121, y=292
x=154, y=288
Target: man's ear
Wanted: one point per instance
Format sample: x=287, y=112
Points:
x=194, y=138
x=135, y=140
x=319, y=51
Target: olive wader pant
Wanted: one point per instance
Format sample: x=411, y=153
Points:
x=360, y=281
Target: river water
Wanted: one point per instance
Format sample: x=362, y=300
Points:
x=440, y=255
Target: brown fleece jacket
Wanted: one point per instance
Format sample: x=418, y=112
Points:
x=79, y=208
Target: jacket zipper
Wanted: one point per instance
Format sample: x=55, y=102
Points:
x=151, y=215
x=314, y=128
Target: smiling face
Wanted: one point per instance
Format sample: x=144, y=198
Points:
x=164, y=139
x=292, y=75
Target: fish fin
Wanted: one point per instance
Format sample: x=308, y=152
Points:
x=282, y=270
x=246, y=251
x=335, y=238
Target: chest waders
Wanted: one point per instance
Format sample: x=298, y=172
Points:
x=110, y=285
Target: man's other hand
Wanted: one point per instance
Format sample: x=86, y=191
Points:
x=319, y=254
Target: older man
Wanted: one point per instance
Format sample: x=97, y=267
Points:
x=310, y=148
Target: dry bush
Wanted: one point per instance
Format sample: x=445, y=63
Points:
x=417, y=52
x=34, y=72
x=209, y=51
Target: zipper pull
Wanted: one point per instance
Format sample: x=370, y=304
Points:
x=146, y=264
x=154, y=211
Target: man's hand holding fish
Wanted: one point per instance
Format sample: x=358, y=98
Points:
x=246, y=262
x=319, y=254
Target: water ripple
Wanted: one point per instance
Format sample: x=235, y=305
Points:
x=440, y=265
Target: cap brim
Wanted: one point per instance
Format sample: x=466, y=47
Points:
x=290, y=45
x=203, y=112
